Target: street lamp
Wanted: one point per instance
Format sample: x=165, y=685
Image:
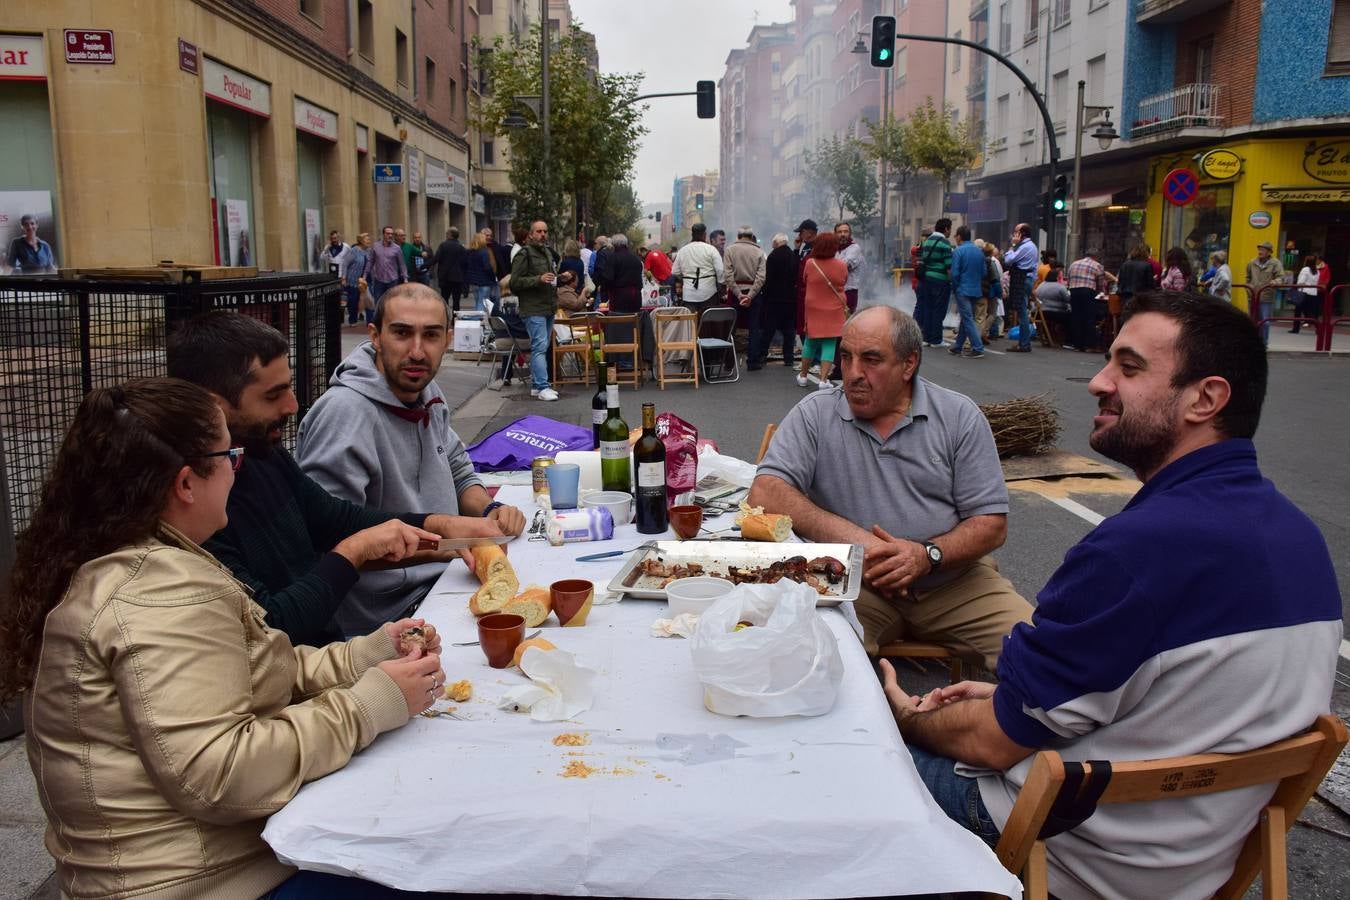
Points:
x=1105, y=133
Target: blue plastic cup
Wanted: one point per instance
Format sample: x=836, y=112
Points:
x=563, y=480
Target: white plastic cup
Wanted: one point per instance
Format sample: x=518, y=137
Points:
x=619, y=504
x=695, y=594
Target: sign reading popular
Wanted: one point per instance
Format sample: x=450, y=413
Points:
x=22, y=58
x=233, y=87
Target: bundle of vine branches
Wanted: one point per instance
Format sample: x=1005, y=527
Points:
x=1023, y=426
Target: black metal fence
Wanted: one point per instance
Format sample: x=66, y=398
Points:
x=61, y=338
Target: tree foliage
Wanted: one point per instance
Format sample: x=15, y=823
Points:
x=839, y=167
x=892, y=142
x=940, y=145
x=618, y=211
x=595, y=128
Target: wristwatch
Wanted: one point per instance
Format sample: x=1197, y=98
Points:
x=495, y=504
x=934, y=554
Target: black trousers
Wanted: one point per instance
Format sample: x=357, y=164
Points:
x=775, y=319
x=1084, y=313
x=452, y=291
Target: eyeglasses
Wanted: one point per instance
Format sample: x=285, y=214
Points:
x=234, y=454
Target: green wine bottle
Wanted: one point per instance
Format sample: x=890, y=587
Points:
x=615, y=467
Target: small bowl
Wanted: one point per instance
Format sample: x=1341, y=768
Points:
x=572, y=599
x=696, y=594
x=685, y=521
x=619, y=504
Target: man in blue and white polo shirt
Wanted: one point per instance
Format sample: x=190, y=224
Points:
x=1204, y=617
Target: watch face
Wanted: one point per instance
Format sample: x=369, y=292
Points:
x=935, y=553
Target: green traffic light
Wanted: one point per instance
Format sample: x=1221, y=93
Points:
x=884, y=54
x=1059, y=205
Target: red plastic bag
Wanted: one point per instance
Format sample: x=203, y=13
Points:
x=681, y=440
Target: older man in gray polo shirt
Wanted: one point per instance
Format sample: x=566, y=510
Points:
x=909, y=470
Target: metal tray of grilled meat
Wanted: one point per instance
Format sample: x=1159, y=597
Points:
x=716, y=556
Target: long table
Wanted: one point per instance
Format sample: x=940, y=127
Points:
x=669, y=799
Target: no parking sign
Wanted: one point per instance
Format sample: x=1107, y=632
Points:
x=1180, y=187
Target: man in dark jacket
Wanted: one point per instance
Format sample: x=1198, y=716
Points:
x=779, y=310
x=535, y=283
x=623, y=276
x=451, y=259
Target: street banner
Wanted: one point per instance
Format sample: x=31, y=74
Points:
x=14, y=205
x=236, y=230
x=314, y=241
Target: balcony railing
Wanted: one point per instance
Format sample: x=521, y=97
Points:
x=975, y=90
x=1188, y=106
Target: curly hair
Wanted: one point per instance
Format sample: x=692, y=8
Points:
x=105, y=491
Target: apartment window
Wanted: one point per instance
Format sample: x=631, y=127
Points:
x=1338, y=43
x=489, y=154
x=1060, y=14
x=401, y=56
x=957, y=50
x=454, y=19
x=1001, y=117
x=365, y=29
x=485, y=72
x=1059, y=100
x=454, y=98
x=1204, y=61
x=485, y=7
x=900, y=56
x=1033, y=21
x=312, y=9
x=1005, y=27
x=1030, y=116
x=429, y=83
x=1096, y=80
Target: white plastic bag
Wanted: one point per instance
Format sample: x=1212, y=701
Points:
x=787, y=664
x=736, y=471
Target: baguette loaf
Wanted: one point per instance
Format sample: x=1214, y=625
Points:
x=757, y=525
x=533, y=605
x=498, y=578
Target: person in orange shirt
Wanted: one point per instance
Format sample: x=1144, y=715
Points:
x=826, y=309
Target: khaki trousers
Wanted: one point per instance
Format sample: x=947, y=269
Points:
x=970, y=615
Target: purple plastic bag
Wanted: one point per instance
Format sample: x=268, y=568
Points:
x=514, y=447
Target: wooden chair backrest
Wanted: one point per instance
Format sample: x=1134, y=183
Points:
x=626, y=323
x=1298, y=764
x=764, y=442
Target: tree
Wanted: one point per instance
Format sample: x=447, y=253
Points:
x=941, y=145
x=841, y=169
x=892, y=142
x=618, y=211
x=595, y=128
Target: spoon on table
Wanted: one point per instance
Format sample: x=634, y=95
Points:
x=532, y=634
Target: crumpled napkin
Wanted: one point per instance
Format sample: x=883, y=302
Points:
x=682, y=625
x=559, y=688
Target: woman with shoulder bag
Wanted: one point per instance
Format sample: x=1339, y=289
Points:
x=826, y=308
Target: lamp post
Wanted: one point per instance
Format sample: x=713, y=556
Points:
x=1105, y=133
x=545, y=39
x=860, y=46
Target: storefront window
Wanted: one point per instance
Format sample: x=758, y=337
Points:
x=232, y=184
x=309, y=155
x=27, y=182
x=1201, y=228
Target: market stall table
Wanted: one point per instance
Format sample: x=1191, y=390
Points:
x=646, y=794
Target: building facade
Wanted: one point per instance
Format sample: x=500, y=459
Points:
x=226, y=132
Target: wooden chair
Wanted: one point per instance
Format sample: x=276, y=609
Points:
x=1298, y=764
x=1039, y=320
x=764, y=442
x=684, y=322
x=622, y=336
x=924, y=650
x=578, y=348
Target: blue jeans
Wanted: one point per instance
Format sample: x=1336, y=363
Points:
x=323, y=886
x=481, y=292
x=1266, y=309
x=353, y=302
x=541, y=331
x=966, y=306
x=956, y=795
x=1018, y=286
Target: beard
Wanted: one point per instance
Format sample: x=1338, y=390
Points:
x=255, y=436
x=1140, y=440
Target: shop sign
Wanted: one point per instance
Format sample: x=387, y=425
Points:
x=89, y=47
x=1304, y=194
x=1220, y=164
x=479, y=204
x=989, y=209
x=315, y=120
x=503, y=207
x=236, y=89
x=459, y=186
x=956, y=203
x=1180, y=187
x=414, y=172
x=1136, y=217
x=189, y=60
x=389, y=173
x=22, y=58
x=362, y=139
x=1259, y=219
x=1328, y=162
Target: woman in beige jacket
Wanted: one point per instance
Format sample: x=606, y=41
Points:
x=165, y=719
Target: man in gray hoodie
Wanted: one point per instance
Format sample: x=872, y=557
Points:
x=381, y=436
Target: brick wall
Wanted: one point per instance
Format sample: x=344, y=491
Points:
x=437, y=41
x=328, y=29
x=1236, y=31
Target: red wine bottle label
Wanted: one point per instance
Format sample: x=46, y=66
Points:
x=598, y=416
x=651, y=475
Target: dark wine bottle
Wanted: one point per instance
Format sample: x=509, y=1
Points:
x=599, y=404
x=615, y=471
x=649, y=461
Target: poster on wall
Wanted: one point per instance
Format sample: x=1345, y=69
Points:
x=27, y=233
x=236, y=230
x=314, y=241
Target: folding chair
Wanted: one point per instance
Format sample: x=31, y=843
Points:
x=576, y=346
x=715, y=336
x=1062, y=794
x=622, y=336
x=683, y=324
x=500, y=346
x=1040, y=322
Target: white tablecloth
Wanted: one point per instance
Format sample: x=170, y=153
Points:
x=682, y=802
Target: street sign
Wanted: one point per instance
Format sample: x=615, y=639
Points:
x=188, y=58
x=1180, y=187
x=85, y=45
x=389, y=173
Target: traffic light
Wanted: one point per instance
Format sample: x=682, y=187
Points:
x=1061, y=199
x=698, y=201
x=707, y=99
x=883, y=42
x=1044, y=207
x=658, y=215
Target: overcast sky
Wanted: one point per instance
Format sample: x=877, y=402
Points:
x=674, y=45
